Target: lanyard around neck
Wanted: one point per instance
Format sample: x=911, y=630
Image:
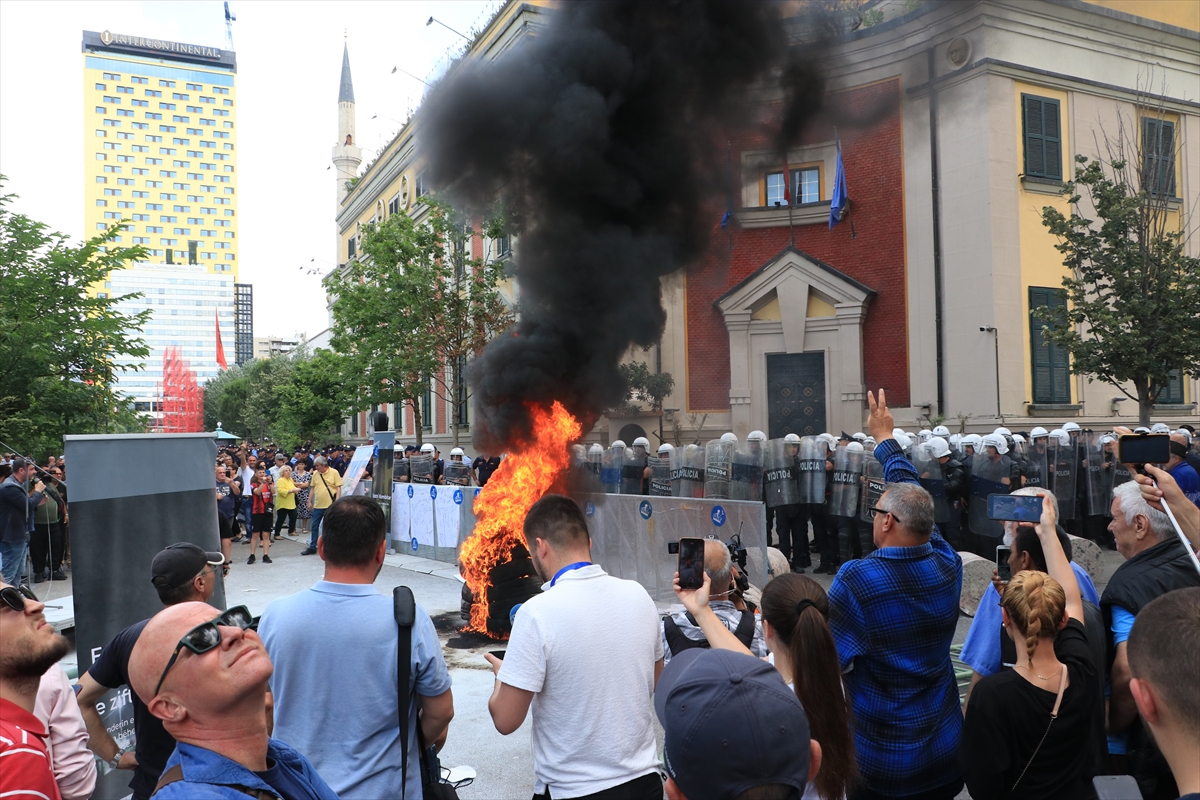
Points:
x=568, y=568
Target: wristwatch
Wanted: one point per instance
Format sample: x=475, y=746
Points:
x=115, y=760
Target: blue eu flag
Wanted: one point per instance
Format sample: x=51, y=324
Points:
x=841, y=200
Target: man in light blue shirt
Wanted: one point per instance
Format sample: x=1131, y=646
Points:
x=334, y=649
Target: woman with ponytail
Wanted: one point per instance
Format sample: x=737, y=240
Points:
x=795, y=625
x=1029, y=736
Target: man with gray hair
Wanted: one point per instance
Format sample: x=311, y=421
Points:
x=1156, y=562
x=893, y=615
x=679, y=629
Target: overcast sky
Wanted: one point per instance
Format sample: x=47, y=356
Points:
x=289, y=59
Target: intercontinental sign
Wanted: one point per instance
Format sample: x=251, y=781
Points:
x=162, y=45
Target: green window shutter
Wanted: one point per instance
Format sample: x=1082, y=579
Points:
x=1158, y=147
x=1043, y=139
x=1173, y=392
x=1051, y=364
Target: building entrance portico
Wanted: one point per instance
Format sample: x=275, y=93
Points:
x=795, y=304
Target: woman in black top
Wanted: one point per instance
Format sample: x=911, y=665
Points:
x=1010, y=745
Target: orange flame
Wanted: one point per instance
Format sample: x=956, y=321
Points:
x=525, y=474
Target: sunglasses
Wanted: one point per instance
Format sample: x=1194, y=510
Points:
x=15, y=598
x=877, y=510
x=206, y=636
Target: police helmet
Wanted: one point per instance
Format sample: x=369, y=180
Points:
x=427, y=448
x=1038, y=432
x=1158, y=427
x=665, y=449
x=1072, y=427
x=924, y=435
x=938, y=447
x=855, y=447
x=1061, y=436
x=1002, y=432
x=996, y=441
x=942, y=430
x=729, y=437
x=792, y=438
x=618, y=443
x=756, y=436
x=972, y=439
x=859, y=437
x=641, y=441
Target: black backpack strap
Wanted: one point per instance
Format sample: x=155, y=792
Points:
x=404, y=608
x=175, y=774
x=745, y=629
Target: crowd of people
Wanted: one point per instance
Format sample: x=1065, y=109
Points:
x=340, y=691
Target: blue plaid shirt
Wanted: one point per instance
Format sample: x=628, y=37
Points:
x=893, y=616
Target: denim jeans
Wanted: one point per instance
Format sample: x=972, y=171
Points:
x=12, y=561
x=317, y=514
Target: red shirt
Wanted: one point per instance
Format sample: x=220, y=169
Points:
x=25, y=771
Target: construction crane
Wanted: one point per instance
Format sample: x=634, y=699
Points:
x=229, y=20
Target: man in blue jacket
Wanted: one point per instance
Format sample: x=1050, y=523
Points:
x=214, y=703
x=16, y=518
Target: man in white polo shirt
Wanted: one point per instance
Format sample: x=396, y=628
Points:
x=585, y=655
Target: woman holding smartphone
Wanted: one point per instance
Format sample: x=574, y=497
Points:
x=1027, y=730
x=795, y=612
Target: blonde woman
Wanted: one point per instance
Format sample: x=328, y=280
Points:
x=285, y=501
x=1026, y=733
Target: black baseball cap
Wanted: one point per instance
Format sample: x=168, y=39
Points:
x=730, y=724
x=177, y=564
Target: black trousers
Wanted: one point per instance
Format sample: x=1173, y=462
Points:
x=814, y=512
x=845, y=543
x=787, y=521
x=647, y=787
x=285, y=513
x=46, y=546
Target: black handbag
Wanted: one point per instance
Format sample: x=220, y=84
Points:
x=432, y=785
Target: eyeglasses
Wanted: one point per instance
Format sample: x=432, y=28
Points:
x=206, y=636
x=877, y=510
x=15, y=598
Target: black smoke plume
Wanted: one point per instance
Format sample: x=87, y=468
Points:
x=604, y=137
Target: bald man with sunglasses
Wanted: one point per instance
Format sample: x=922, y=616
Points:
x=204, y=673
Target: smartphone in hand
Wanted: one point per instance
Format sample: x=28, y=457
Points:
x=1002, y=567
x=1015, y=507
x=691, y=563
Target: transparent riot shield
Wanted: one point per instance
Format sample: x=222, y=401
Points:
x=871, y=486
x=420, y=465
x=1099, y=482
x=687, y=471
x=1119, y=473
x=611, y=465
x=660, y=476
x=747, y=472
x=779, y=474
x=633, y=471
x=929, y=473
x=591, y=469
x=1036, y=469
x=1062, y=463
x=847, y=471
x=718, y=468
x=811, y=469
x=988, y=476
x=457, y=473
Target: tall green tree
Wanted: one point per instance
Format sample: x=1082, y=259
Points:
x=384, y=310
x=60, y=342
x=1134, y=294
x=313, y=401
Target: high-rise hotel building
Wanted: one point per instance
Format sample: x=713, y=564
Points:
x=160, y=151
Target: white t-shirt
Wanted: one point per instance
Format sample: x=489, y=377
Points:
x=586, y=647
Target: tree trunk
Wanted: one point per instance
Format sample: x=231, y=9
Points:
x=418, y=428
x=455, y=403
x=1144, y=401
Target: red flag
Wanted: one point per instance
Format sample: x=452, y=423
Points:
x=220, y=347
x=787, y=183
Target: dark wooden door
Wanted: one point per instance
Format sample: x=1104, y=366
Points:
x=795, y=394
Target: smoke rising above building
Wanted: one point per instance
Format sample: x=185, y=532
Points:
x=603, y=139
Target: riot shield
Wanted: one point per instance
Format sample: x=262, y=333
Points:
x=660, y=476
x=847, y=470
x=811, y=469
x=457, y=473
x=611, y=465
x=1062, y=464
x=929, y=473
x=632, y=471
x=1099, y=482
x=747, y=472
x=718, y=468
x=779, y=474
x=420, y=465
x=871, y=486
x=1036, y=470
x=687, y=471
x=987, y=477
x=1119, y=473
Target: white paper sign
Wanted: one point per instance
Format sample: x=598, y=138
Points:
x=400, y=513
x=421, y=513
x=448, y=505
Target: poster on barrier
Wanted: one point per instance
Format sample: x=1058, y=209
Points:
x=356, y=468
x=400, y=513
x=421, y=513
x=446, y=505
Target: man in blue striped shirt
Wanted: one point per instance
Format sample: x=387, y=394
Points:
x=893, y=616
